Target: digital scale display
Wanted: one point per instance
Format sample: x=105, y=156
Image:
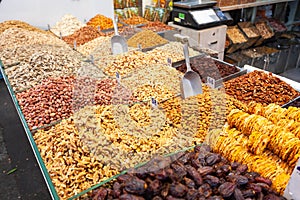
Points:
x=205, y=16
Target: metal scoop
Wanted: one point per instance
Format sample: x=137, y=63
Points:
x=191, y=84
x=118, y=43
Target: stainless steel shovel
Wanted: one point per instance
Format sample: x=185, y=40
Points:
x=191, y=84
x=118, y=43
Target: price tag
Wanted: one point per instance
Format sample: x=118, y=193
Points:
x=211, y=82
x=60, y=35
x=75, y=45
x=48, y=27
x=118, y=78
x=292, y=190
x=92, y=59
x=139, y=47
x=169, y=61
x=99, y=28
x=154, y=103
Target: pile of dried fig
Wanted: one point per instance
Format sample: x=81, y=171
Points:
x=199, y=174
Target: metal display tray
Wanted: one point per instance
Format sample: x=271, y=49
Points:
x=219, y=82
x=290, y=102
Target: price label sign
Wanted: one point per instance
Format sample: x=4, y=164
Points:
x=118, y=78
x=60, y=35
x=292, y=190
x=75, y=44
x=92, y=59
x=99, y=28
x=139, y=47
x=48, y=27
x=154, y=103
x=211, y=82
x=169, y=61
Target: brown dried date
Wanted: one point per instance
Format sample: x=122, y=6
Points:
x=248, y=193
x=179, y=172
x=154, y=187
x=194, y=174
x=192, y=194
x=130, y=197
x=206, y=170
x=212, y=159
x=135, y=186
x=189, y=182
x=227, y=189
x=213, y=181
x=177, y=189
x=205, y=190
x=242, y=169
x=238, y=195
x=116, y=190
x=263, y=180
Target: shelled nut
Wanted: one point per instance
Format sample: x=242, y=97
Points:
x=260, y=87
x=67, y=25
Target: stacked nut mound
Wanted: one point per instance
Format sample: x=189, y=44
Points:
x=70, y=164
x=67, y=25
x=15, y=37
x=199, y=174
x=39, y=62
x=260, y=87
x=18, y=24
x=146, y=39
x=102, y=22
x=83, y=35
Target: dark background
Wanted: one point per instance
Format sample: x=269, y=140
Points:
x=27, y=181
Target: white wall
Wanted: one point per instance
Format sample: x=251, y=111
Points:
x=42, y=12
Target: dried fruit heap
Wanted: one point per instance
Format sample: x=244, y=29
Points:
x=199, y=174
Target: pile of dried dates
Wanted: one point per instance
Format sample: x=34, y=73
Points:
x=199, y=174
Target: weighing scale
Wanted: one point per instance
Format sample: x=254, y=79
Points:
x=197, y=14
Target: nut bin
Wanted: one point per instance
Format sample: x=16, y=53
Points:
x=265, y=32
x=238, y=59
x=250, y=32
x=269, y=61
x=211, y=67
x=236, y=38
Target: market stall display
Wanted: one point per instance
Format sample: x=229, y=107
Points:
x=90, y=123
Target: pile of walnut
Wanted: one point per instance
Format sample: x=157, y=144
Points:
x=199, y=174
